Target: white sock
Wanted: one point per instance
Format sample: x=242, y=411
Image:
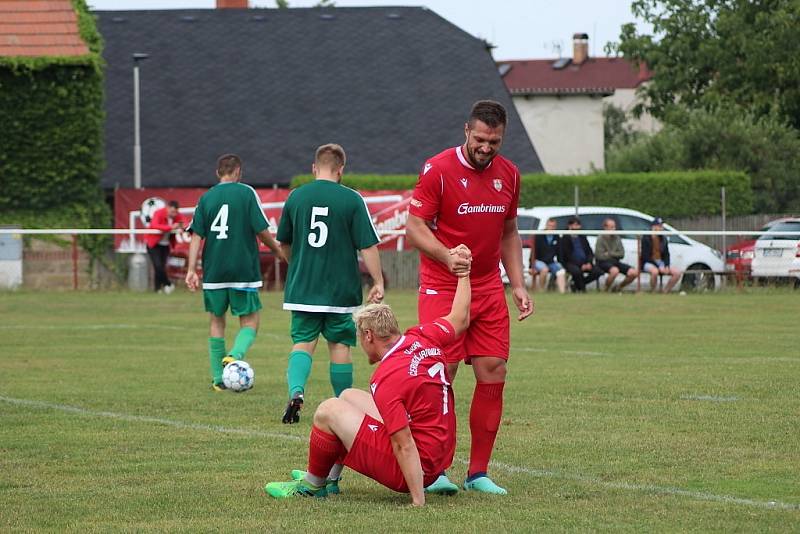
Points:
x=336, y=472
x=314, y=480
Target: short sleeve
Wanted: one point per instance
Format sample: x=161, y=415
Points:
x=362, y=230
x=197, y=225
x=285, y=229
x=258, y=221
x=438, y=333
x=512, y=212
x=390, y=405
x=427, y=195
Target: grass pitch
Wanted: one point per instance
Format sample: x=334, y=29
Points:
x=623, y=412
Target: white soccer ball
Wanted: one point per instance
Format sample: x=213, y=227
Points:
x=238, y=376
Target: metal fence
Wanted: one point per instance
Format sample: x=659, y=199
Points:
x=739, y=223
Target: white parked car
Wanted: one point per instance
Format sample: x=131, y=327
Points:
x=704, y=263
x=778, y=255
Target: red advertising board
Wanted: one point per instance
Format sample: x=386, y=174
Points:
x=133, y=208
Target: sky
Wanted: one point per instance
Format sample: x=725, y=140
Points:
x=520, y=29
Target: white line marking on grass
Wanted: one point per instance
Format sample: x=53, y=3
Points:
x=538, y=473
x=147, y=419
x=645, y=488
x=712, y=398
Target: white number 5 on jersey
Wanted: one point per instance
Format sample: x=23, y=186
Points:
x=315, y=240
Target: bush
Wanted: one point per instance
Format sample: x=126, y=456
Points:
x=765, y=148
x=670, y=194
x=367, y=182
x=51, y=147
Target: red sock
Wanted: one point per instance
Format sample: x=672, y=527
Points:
x=484, y=420
x=323, y=451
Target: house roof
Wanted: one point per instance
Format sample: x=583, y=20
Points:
x=594, y=76
x=392, y=85
x=33, y=28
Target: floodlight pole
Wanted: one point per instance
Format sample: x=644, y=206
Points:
x=137, y=141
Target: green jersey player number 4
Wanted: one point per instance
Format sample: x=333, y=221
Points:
x=230, y=220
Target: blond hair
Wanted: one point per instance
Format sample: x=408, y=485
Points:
x=378, y=318
x=330, y=156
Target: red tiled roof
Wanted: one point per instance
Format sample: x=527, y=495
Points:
x=595, y=75
x=39, y=28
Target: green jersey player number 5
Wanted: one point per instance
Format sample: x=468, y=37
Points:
x=314, y=239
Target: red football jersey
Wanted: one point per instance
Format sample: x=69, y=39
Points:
x=465, y=205
x=410, y=388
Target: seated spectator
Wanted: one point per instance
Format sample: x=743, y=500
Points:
x=609, y=253
x=544, y=260
x=655, y=257
x=577, y=258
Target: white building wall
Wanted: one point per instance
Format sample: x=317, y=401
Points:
x=566, y=131
x=626, y=99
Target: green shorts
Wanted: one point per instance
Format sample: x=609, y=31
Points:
x=335, y=327
x=240, y=302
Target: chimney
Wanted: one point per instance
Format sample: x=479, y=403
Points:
x=580, y=48
x=232, y=4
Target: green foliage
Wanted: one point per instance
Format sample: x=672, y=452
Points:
x=367, y=182
x=51, y=151
x=616, y=126
x=763, y=147
x=708, y=52
x=670, y=194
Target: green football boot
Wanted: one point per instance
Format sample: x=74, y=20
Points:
x=331, y=486
x=294, y=488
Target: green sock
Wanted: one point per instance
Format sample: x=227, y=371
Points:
x=341, y=377
x=216, y=351
x=298, y=371
x=242, y=343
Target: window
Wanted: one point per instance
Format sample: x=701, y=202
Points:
x=786, y=226
x=631, y=222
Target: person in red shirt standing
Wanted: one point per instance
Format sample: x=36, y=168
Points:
x=469, y=194
x=169, y=220
x=403, y=434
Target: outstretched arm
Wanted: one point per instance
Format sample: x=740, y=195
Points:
x=459, y=311
x=405, y=450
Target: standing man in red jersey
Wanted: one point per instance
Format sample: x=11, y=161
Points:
x=469, y=194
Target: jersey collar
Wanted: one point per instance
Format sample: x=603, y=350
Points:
x=394, y=348
x=463, y=160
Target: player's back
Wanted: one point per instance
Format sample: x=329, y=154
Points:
x=414, y=373
x=326, y=224
x=229, y=217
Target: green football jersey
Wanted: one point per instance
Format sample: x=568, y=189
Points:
x=326, y=224
x=229, y=216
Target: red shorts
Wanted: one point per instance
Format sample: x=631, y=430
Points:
x=489, y=328
x=372, y=456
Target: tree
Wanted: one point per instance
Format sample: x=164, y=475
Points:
x=707, y=53
x=282, y=4
x=616, y=128
x=730, y=138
